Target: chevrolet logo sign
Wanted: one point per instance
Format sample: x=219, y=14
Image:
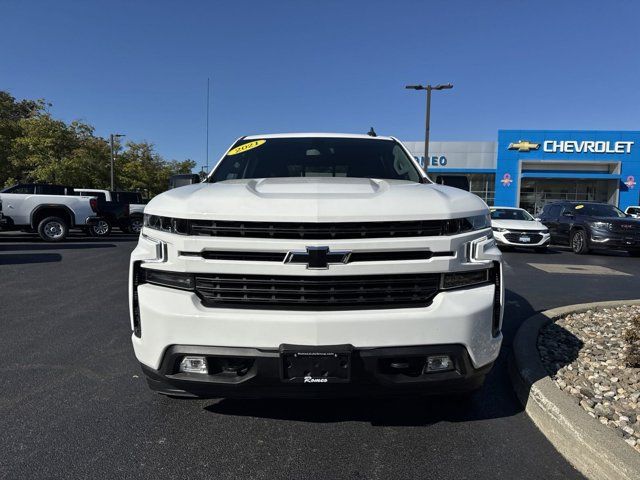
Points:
x=524, y=146
x=318, y=258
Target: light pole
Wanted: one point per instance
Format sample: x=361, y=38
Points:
x=428, y=88
x=112, y=137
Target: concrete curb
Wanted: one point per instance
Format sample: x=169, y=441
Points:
x=592, y=448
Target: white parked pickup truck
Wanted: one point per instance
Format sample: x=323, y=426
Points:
x=50, y=213
x=316, y=265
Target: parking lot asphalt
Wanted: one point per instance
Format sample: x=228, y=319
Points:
x=74, y=404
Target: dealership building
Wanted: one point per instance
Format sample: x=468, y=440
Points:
x=529, y=168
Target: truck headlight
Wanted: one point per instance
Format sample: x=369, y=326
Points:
x=166, y=224
x=183, y=281
x=467, y=224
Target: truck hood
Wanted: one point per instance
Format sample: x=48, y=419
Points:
x=518, y=224
x=316, y=200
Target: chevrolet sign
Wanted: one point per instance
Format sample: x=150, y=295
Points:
x=586, y=146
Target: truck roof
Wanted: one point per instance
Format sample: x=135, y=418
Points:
x=314, y=135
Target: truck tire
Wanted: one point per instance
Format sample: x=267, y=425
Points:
x=53, y=229
x=101, y=229
x=634, y=253
x=579, y=242
x=135, y=225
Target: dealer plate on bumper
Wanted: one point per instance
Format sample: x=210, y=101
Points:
x=315, y=365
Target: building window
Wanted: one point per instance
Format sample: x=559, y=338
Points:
x=483, y=185
x=536, y=193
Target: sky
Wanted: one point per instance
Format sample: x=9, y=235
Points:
x=140, y=67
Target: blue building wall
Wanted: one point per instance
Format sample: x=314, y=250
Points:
x=583, y=146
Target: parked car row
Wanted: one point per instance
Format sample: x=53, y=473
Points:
x=583, y=226
x=52, y=210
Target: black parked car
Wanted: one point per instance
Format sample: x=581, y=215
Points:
x=585, y=225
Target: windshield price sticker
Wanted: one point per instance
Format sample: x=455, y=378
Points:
x=246, y=147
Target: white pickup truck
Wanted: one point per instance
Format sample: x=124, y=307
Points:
x=45, y=209
x=316, y=265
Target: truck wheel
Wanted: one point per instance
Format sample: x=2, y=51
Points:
x=634, y=253
x=53, y=229
x=579, y=242
x=101, y=229
x=135, y=225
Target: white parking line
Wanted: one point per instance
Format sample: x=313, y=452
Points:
x=577, y=269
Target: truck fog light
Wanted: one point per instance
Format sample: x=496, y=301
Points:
x=193, y=364
x=438, y=363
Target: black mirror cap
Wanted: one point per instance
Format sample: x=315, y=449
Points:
x=456, y=181
x=181, y=180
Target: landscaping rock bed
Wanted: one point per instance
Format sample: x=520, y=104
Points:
x=590, y=356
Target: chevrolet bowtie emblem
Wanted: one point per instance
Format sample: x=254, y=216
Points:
x=524, y=146
x=318, y=257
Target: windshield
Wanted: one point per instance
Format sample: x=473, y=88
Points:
x=597, y=210
x=316, y=157
x=129, y=197
x=510, y=214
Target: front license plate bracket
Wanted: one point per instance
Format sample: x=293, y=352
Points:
x=315, y=364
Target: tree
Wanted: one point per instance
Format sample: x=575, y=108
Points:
x=139, y=167
x=39, y=153
x=35, y=147
x=11, y=113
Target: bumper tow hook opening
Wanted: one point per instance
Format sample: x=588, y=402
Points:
x=399, y=365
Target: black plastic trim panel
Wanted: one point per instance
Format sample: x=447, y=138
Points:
x=370, y=374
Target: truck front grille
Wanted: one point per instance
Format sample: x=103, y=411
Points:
x=317, y=292
x=515, y=237
x=257, y=256
x=323, y=231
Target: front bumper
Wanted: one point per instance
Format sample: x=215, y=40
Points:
x=174, y=317
x=163, y=317
x=371, y=374
x=608, y=239
x=501, y=239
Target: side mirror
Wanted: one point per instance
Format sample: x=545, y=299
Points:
x=456, y=181
x=537, y=219
x=176, y=181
